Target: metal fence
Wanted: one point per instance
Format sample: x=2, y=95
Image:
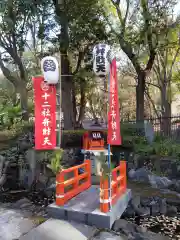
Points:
x=166, y=126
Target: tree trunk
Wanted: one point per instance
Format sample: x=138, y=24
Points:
x=66, y=73
x=166, y=111
x=140, y=89
x=82, y=104
x=92, y=108
x=21, y=89
x=105, y=97
x=74, y=102
x=67, y=105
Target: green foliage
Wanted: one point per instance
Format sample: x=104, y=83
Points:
x=161, y=147
x=132, y=136
x=16, y=130
x=106, y=171
x=55, y=164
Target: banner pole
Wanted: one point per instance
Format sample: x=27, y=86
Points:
x=60, y=100
x=109, y=146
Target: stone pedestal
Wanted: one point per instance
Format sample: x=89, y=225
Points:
x=84, y=208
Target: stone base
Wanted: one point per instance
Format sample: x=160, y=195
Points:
x=84, y=208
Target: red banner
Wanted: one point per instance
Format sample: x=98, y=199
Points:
x=114, y=136
x=45, y=114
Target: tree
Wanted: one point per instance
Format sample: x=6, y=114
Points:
x=81, y=28
x=20, y=57
x=14, y=19
x=165, y=68
x=13, y=31
x=138, y=31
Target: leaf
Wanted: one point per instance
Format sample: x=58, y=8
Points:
x=55, y=164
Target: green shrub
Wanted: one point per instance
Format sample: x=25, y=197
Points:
x=16, y=130
x=132, y=137
x=161, y=147
x=55, y=162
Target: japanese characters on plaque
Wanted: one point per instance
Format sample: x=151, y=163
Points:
x=45, y=114
x=114, y=136
x=100, y=60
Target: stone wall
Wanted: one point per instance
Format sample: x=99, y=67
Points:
x=20, y=164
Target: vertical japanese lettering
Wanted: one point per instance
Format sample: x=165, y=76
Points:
x=114, y=137
x=45, y=110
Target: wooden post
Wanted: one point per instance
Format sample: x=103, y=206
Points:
x=60, y=189
x=104, y=195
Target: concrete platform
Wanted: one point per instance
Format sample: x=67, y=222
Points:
x=84, y=208
x=54, y=229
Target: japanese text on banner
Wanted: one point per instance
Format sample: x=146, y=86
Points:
x=114, y=137
x=45, y=114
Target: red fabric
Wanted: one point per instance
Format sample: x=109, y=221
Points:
x=114, y=136
x=45, y=114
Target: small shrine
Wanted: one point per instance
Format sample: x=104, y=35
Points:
x=77, y=199
x=93, y=144
x=87, y=203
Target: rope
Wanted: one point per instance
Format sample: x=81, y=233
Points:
x=102, y=189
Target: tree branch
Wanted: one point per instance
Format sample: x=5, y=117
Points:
x=80, y=58
x=151, y=101
x=122, y=20
x=152, y=84
x=173, y=62
x=127, y=11
x=147, y=18
x=7, y=73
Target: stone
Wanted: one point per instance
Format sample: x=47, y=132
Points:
x=131, y=174
x=175, y=171
x=171, y=211
x=174, y=202
x=129, y=212
x=130, y=167
x=134, y=232
x=60, y=230
x=124, y=227
x=155, y=209
x=68, y=157
x=162, y=206
x=140, y=236
x=141, y=175
x=22, y=202
x=13, y=224
x=149, y=236
x=177, y=186
x=135, y=201
x=135, y=160
x=32, y=162
x=146, y=201
x=141, y=229
x=109, y=236
x=50, y=192
x=143, y=211
x=159, y=182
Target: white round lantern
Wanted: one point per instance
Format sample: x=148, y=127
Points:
x=50, y=70
x=101, y=65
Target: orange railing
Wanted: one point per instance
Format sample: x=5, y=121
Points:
x=63, y=190
x=118, y=187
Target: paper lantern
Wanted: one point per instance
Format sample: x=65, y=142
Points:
x=101, y=65
x=50, y=70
